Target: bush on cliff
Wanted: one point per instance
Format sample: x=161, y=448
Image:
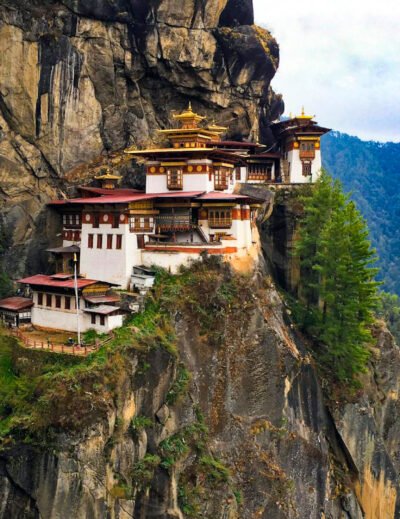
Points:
x=338, y=288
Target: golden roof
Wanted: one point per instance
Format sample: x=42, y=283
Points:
x=108, y=176
x=188, y=116
x=303, y=115
x=216, y=129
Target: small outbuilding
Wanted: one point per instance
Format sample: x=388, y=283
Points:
x=15, y=311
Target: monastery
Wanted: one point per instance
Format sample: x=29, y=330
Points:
x=191, y=205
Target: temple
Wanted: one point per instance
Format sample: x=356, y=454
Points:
x=192, y=204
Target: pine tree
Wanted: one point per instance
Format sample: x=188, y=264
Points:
x=337, y=288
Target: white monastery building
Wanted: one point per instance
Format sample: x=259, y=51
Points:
x=191, y=205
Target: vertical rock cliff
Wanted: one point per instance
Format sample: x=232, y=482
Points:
x=214, y=410
x=80, y=79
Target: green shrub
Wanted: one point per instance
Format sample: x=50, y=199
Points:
x=214, y=469
x=179, y=386
x=143, y=471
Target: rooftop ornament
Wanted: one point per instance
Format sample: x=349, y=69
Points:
x=188, y=118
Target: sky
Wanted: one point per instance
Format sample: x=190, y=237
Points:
x=341, y=60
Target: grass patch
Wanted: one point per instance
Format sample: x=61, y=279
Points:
x=180, y=385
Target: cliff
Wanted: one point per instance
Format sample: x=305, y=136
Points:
x=207, y=405
x=81, y=80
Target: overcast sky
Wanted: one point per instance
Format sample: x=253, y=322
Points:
x=341, y=59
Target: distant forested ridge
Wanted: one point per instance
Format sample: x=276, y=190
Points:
x=371, y=172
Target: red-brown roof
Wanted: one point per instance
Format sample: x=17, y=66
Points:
x=237, y=144
x=16, y=303
x=264, y=156
x=49, y=281
x=110, y=192
x=109, y=199
x=178, y=194
x=123, y=199
x=216, y=195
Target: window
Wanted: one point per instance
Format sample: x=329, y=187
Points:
x=93, y=318
x=174, y=178
x=90, y=241
x=115, y=221
x=141, y=224
x=48, y=300
x=40, y=299
x=96, y=221
x=220, y=218
x=221, y=178
x=307, y=150
x=67, y=303
x=109, y=241
x=306, y=169
x=99, y=241
x=119, y=241
x=58, y=301
x=261, y=172
x=102, y=320
x=64, y=219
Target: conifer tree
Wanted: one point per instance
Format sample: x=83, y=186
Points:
x=337, y=288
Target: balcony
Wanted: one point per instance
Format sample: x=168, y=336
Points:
x=307, y=154
x=174, y=223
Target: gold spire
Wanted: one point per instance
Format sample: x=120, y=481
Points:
x=303, y=115
x=188, y=118
x=108, y=180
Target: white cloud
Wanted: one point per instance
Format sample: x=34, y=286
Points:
x=341, y=60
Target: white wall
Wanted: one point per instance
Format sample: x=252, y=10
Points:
x=110, y=322
x=296, y=168
x=111, y=265
x=55, y=318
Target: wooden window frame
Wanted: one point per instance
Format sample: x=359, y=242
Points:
x=306, y=168
x=142, y=224
x=221, y=179
x=40, y=299
x=90, y=241
x=49, y=300
x=67, y=303
x=58, y=301
x=220, y=218
x=109, y=241
x=118, y=244
x=102, y=320
x=175, y=178
x=93, y=319
x=99, y=241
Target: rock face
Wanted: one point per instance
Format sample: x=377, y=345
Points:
x=80, y=79
x=291, y=452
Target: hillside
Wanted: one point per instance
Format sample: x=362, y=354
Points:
x=371, y=172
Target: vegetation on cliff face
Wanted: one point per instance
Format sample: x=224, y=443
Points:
x=337, y=283
x=370, y=172
x=389, y=310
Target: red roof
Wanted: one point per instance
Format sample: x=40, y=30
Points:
x=125, y=199
x=49, y=281
x=109, y=199
x=216, y=195
x=16, y=303
x=237, y=144
x=264, y=156
x=178, y=194
x=110, y=192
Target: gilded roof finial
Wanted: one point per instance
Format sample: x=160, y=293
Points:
x=190, y=106
x=303, y=113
